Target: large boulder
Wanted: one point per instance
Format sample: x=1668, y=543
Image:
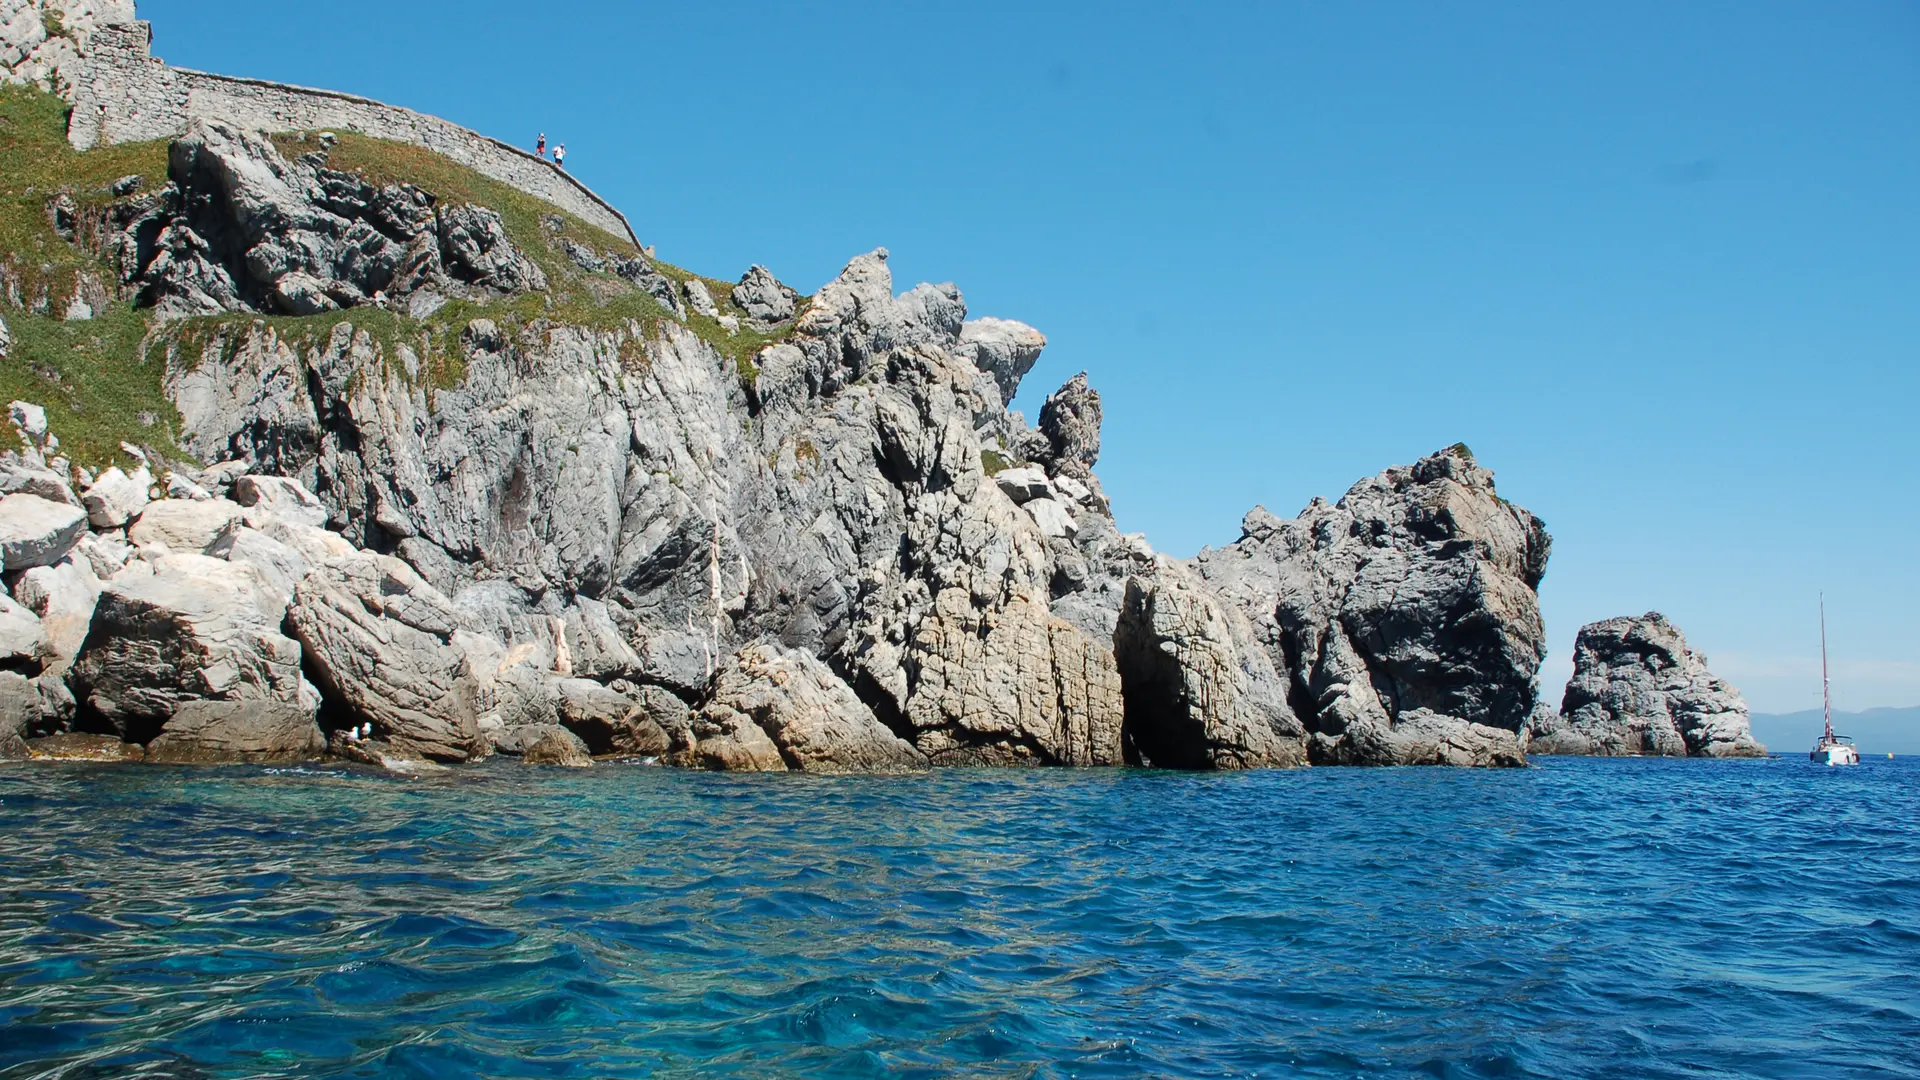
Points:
x=184, y=525
x=193, y=628
x=237, y=732
x=1637, y=689
x=1406, y=616
x=279, y=497
x=380, y=641
x=28, y=472
x=62, y=596
x=117, y=497
x=1200, y=691
x=763, y=297
x=36, y=531
x=1070, y=419
x=813, y=720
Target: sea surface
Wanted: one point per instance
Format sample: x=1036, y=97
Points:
x=1584, y=918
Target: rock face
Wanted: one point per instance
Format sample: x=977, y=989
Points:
x=811, y=718
x=240, y=228
x=1637, y=689
x=381, y=642
x=1406, y=614
x=1200, y=693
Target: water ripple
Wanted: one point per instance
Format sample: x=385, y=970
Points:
x=1583, y=919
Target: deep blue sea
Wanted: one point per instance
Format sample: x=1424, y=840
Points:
x=1582, y=918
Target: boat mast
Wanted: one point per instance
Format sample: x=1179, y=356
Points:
x=1826, y=696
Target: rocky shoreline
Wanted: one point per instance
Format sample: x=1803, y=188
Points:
x=451, y=480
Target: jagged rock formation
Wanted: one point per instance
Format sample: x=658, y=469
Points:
x=1406, y=614
x=1200, y=692
x=807, y=714
x=622, y=536
x=1637, y=689
x=240, y=228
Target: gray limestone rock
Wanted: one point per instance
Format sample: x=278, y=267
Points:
x=28, y=474
x=700, y=300
x=117, y=497
x=37, y=532
x=1417, y=591
x=548, y=744
x=1070, y=420
x=62, y=596
x=184, y=525
x=380, y=640
x=193, y=628
x=240, y=228
x=1637, y=689
x=23, y=640
x=1200, y=691
x=763, y=297
x=279, y=497
x=237, y=732
x=808, y=713
x=281, y=567
x=608, y=721
x=6, y=339
x=1002, y=349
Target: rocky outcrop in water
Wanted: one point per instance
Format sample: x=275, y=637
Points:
x=1406, y=614
x=1637, y=689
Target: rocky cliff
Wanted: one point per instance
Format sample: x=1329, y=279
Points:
x=427, y=471
x=1406, y=615
x=1637, y=689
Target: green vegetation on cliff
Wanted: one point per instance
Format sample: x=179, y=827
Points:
x=102, y=378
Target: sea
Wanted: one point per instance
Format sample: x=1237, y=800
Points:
x=1580, y=918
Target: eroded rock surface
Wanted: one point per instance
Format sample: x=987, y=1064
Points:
x=1637, y=689
x=1414, y=594
x=809, y=715
x=381, y=641
x=241, y=228
x=237, y=732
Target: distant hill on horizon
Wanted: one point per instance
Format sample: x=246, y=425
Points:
x=1875, y=731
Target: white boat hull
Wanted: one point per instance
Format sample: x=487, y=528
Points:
x=1837, y=754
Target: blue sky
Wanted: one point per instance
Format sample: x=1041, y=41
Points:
x=1658, y=264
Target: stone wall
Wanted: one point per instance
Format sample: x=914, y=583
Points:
x=129, y=95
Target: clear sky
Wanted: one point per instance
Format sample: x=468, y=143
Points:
x=1658, y=264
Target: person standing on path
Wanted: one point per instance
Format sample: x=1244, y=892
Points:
x=540, y=148
x=560, y=156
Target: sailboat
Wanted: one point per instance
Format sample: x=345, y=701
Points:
x=1831, y=749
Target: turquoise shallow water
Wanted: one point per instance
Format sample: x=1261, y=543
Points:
x=1579, y=919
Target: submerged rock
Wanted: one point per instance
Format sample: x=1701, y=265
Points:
x=1637, y=689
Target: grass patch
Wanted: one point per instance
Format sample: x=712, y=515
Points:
x=38, y=267
x=98, y=384
x=993, y=462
